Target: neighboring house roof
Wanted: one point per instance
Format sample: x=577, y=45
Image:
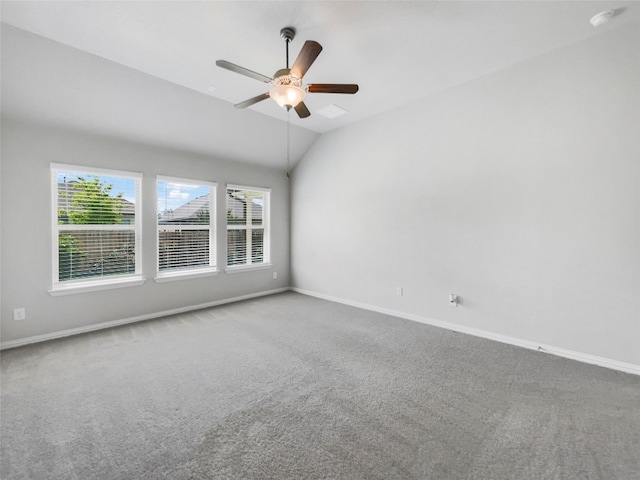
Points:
x=191, y=211
x=187, y=213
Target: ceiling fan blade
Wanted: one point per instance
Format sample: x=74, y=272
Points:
x=332, y=88
x=251, y=101
x=243, y=71
x=308, y=54
x=302, y=110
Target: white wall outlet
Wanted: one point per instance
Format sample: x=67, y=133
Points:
x=399, y=291
x=453, y=300
x=275, y=275
x=19, y=314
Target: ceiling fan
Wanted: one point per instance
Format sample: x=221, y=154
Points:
x=287, y=88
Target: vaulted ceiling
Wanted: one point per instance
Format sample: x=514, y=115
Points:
x=398, y=52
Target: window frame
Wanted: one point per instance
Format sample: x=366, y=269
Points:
x=266, y=227
x=189, y=272
x=94, y=284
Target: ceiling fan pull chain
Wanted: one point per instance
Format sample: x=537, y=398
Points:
x=288, y=141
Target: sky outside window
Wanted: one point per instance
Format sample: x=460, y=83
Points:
x=172, y=195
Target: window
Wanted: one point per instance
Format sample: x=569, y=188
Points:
x=96, y=228
x=247, y=226
x=186, y=227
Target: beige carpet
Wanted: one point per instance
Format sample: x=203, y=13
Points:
x=293, y=387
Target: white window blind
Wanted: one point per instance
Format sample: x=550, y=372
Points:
x=96, y=227
x=247, y=225
x=186, y=226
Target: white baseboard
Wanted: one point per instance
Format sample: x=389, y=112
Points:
x=560, y=352
x=100, y=326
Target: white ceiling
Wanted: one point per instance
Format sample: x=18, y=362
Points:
x=397, y=51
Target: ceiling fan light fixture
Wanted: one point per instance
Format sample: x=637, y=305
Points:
x=287, y=96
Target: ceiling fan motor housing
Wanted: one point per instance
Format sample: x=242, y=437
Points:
x=284, y=77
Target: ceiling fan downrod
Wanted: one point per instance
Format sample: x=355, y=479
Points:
x=288, y=33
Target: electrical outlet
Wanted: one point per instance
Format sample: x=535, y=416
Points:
x=275, y=275
x=19, y=314
x=399, y=291
x=453, y=300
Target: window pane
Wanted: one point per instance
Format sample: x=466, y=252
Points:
x=244, y=207
x=236, y=209
x=182, y=205
x=183, y=249
x=86, y=199
x=256, y=209
x=95, y=253
x=257, y=246
x=236, y=247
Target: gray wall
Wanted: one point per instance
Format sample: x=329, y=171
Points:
x=518, y=191
x=28, y=149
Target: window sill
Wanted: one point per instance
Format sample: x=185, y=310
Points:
x=247, y=268
x=96, y=285
x=184, y=275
